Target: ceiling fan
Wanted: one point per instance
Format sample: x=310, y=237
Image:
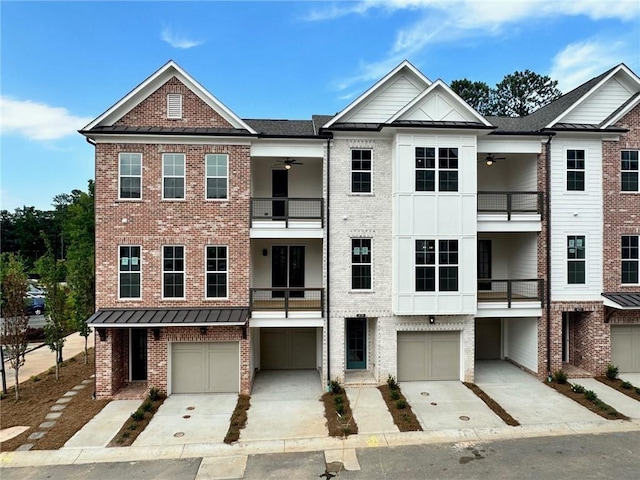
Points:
x=287, y=163
x=491, y=159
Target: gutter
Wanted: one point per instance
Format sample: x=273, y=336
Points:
x=328, y=267
x=548, y=249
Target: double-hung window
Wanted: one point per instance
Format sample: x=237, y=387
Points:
x=361, y=263
x=446, y=161
x=436, y=267
x=629, y=170
x=575, y=170
x=173, y=176
x=130, y=175
x=630, y=258
x=129, y=271
x=217, y=170
x=361, y=171
x=576, y=263
x=217, y=273
x=173, y=271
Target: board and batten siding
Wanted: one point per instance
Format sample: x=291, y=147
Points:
x=600, y=105
x=388, y=101
x=576, y=213
x=521, y=341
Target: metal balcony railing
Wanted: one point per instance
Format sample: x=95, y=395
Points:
x=287, y=209
x=511, y=202
x=287, y=299
x=510, y=291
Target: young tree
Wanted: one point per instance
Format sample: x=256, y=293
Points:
x=521, y=93
x=16, y=321
x=477, y=94
x=52, y=273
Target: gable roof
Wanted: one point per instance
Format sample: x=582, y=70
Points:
x=155, y=81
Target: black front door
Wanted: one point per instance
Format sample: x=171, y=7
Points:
x=484, y=264
x=138, y=354
x=287, y=269
x=356, y=343
x=279, y=189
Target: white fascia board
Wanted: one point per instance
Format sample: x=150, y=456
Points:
x=165, y=325
x=435, y=85
x=630, y=106
x=377, y=86
x=170, y=139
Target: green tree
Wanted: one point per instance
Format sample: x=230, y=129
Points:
x=521, y=93
x=16, y=321
x=477, y=94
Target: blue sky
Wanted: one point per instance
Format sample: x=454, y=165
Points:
x=64, y=63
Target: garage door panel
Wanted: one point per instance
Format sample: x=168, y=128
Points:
x=223, y=368
x=205, y=367
x=625, y=347
x=428, y=356
x=445, y=359
x=412, y=364
x=287, y=348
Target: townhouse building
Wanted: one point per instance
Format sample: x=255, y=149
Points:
x=407, y=235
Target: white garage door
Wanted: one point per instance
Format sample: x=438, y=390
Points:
x=428, y=356
x=205, y=367
x=625, y=347
x=287, y=348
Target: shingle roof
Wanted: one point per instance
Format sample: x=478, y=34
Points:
x=159, y=317
x=282, y=128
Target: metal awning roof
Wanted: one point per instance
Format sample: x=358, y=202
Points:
x=622, y=301
x=168, y=317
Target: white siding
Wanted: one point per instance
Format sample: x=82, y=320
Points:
x=387, y=101
x=439, y=106
x=576, y=213
x=601, y=104
x=521, y=341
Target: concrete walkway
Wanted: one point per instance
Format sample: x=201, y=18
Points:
x=370, y=411
x=99, y=431
x=632, y=378
x=619, y=401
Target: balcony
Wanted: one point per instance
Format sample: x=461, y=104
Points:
x=510, y=211
x=286, y=302
x=273, y=214
x=523, y=297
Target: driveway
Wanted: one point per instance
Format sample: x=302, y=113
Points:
x=190, y=418
x=448, y=404
x=285, y=404
x=526, y=398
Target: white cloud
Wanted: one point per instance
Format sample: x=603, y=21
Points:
x=38, y=121
x=178, y=40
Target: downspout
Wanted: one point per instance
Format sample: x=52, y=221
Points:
x=328, y=268
x=547, y=216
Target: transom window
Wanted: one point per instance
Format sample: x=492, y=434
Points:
x=217, y=274
x=173, y=176
x=436, y=267
x=174, y=105
x=361, y=263
x=630, y=258
x=129, y=271
x=629, y=170
x=130, y=175
x=361, y=171
x=172, y=271
x=430, y=160
x=575, y=170
x=576, y=263
x=217, y=166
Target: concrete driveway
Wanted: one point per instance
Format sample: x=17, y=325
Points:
x=285, y=404
x=526, y=398
x=190, y=418
x=448, y=404
x=632, y=378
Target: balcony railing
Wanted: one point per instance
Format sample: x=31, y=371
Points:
x=288, y=209
x=287, y=299
x=510, y=203
x=510, y=291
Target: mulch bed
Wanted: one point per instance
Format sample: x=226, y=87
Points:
x=238, y=419
x=633, y=392
x=337, y=411
x=598, y=407
x=404, y=418
x=133, y=427
x=36, y=399
x=492, y=404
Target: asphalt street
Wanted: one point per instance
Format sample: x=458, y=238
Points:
x=570, y=457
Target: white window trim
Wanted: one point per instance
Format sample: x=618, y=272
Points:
x=183, y=176
x=120, y=175
x=129, y=299
x=215, y=271
x=360, y=290
x=175, y=97
x=586, y=256
x=632, y=192
x=436, y=169
x=567, y=170
x=206, y=177
x=636, y=260
x=352, y=171
x=184, y=272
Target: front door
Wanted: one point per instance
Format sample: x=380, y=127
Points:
x=138, y=354
x=287, y=269
x=484, y=264
x=279, y=189
x=565, y=337
x=356, y=343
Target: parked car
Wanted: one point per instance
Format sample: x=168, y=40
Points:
x=34, y=292
x=35, y=306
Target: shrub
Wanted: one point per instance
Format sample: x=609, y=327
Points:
x=147, y=406
x=35, y=378
x=560, y=376
x=334, y=386
x=401, y=404
x=138, y=415
x=133, y=426
x=577, y=388
x=638, y=390
x=340, y=409
x=338, y=400
x=626, y=385
x=391, y=382
x=590, y=395
x=612, y=371
x=395, y=395
x=154, y=394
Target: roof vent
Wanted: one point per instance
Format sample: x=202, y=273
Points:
x=174, y=105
